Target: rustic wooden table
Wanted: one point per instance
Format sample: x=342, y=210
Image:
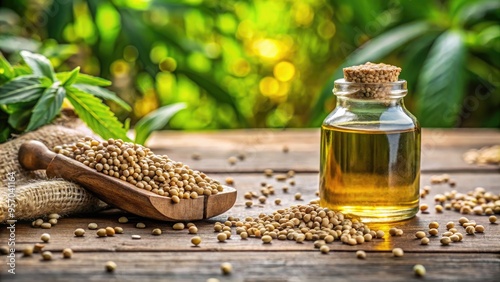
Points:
x=171, y=256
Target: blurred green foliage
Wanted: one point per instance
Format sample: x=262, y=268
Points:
x=265, y=63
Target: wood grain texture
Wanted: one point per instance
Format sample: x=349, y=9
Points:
x=441, y=149
x=256, y=266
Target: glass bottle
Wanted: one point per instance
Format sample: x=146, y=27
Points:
x=370, y=153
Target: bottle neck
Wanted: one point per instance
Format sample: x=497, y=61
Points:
x=347, y=102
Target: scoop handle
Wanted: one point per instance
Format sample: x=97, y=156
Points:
x=35, y=155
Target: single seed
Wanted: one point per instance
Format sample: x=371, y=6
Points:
x=424, y=207
x=420, y=234
x=424, y=241
x=101, y=232
x=380, y=234
x=67, y=253
x=450, y=225
x=298, y=196
x=54, y=216
x=285, y=149
x=392, y=231
x=196, y=240
x=361, y=254
x=47, y=255
x=244, y=235
x=110, y=266
x=399, y=232
x=433, y=232
x=229, y=181
x=463, y=220
x=281, y=177
x=434, y=224
x=419, y=270
x=300, y=238
x=123, y=219
x=37, y=223
x=479, y=228
x=140, y=225
x=319, y=243
x=110, y=231
x=38, y=248
x=178, y=226
x=455, y=238
x=193, y=230
x=439, y=208
x=118, y=230
x=262, y=199
x=53, y=221
x=492, y=219
x=136, y=237
x=176, y=199
x=268, y=172
x=45, y=237
x=46, y=225
x=222, y=237
x=249, y=204
x=226, y=268
x=324, y=249
x=277, y=201
x=196, y=156
x=92, y=226
x=445, y=241
x=397, y=252
x=28, y=251
x=156, y=231
x=470, y=230
x=266, y=239
x=232, y=160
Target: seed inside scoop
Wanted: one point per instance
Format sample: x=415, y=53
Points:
x=139, y=166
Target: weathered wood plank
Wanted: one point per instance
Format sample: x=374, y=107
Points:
x=254, y=266
x=441, y=149
x=62, y=234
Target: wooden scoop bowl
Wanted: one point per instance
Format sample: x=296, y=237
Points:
x=34, y=155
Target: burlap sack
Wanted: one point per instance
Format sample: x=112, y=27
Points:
x=34, y=195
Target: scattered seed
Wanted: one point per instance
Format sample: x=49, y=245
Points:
x=38, y=248
x=266, y=239
x=479, y=228
x=118, y=230
x=175, y=199
x=419, y=270
x=229, y=181
x=424, y=241
x=28, y=251
x=156, y=231
x=281, y=177
x=92, y=226
x=222, y=237
x=434, y=224
x=53, y=221
x=262, y=199
x=463, y=220
x=424, y=207
x=196, y=156
x=298, y=196
x=37, y=223
x=380, y=234
x=123, y=219
x=433, y=232
x=243, y=235
x=249, y=204
x=361, y=254
x=285, y=149
x=46, y=225
x=420, y=234
x=54, y=216
x=445, y=241
x=193, y=230
x=397, y=252
x=196, y=240
x=45, y=237
x=232, y=160
x=454, y=238
x=226, y=268
x=47, y=255
x=492, y=219
x=324, y=249
x=178, y=226
x=470, y=230
x=136, y=237
x=140, y=225
x=439, y=208
x=110, y=266
x=101, y=232
x=268, y=172
x=277, y=201
x=67, y=253
x=110, y=231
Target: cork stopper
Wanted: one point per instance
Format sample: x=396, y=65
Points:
x=372, y=73
x=372, y=78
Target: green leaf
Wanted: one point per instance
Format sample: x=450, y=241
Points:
x=71, y=78
x=6, y=70
x=48, y=107
x=103, y=94
x=21, y=89
x=84, y=79
x=213, y=89
x=20, y=119
x=96, y=115
x=39, y=64
x=156, y=120
x=373, y=50
x=475, y=11
x=441, y=83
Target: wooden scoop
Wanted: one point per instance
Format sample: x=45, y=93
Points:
x=35, y=155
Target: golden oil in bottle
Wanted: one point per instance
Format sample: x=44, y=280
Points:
x=372, y=174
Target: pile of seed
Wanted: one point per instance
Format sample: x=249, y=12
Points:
x=139, y=166
x=52, y=220
x=308, y=222
x=478, y=201
x=374, y=74
x=485, y=155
